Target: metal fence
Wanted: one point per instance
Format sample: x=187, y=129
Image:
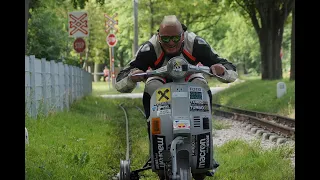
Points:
x=51, y=86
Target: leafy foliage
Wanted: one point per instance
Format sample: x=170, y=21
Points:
x=223, y=24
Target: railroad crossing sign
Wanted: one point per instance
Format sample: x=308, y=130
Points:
x=111, y=40
x=110, y=24
x=79, y=45
x=78, y=24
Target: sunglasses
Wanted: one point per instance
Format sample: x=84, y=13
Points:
x=166, y=39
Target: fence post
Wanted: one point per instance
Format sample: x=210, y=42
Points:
x=71, y=84
x=44, y=86
x=53, y=86
x=77, y=83
x=32, y=87
x=74, y=81
x=86, y=83
x=81, y=83
x=67, y=89
x=27, y=86
x=90, y=80
x=38, y=86
x=48, y=85
x=61, y=85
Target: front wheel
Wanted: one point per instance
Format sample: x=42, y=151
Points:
x=185, y=174
x=124, y=170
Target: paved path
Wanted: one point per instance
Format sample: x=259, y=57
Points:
x=139, y=95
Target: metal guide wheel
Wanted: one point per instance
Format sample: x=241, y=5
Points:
x=124, y=169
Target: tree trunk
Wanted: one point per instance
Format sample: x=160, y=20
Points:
x=293, y=59
x=85, y=64
x=96, y=69
x=26, y=13
x=270, y=38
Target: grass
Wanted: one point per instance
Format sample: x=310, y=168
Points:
x=88, y=141
x=85, y=143
x=242, y=161
x=258, y=95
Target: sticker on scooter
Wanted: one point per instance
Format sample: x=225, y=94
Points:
x=203, y=146
x=181, y=124
x=179, y=94
x=154, y=108
x=195, y=93
x=163, y=95
x=195, y=89
x=177, y=67
x=163, y=112
x=163, y=106
x=197, y=105
x=155, y=126
x=159, y=145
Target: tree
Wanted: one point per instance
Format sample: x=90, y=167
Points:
x=26, y=13
x=293, y=59
x=240, y=43
x=268, y=18
x=46, y=36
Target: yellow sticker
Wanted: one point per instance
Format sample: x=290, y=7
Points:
x=163, y=95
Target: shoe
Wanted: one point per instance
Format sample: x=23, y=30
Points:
x=116, y=177
x=210, y=173
x=148, y=163
x=215, y=166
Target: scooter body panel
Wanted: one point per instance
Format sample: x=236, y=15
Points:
x=181, y=109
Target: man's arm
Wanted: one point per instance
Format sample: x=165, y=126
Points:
x=124, y=84
x=143, y=59
x=208, y=57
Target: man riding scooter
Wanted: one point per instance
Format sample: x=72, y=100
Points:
x=172, y=40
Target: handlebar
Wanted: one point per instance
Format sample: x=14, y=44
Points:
x=178, y=68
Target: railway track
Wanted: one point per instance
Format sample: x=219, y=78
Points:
x=125, y=164
x=283, y=126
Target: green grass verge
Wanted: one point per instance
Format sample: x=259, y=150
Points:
x=258, y=95
x=88, y=142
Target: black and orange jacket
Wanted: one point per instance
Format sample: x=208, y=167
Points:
x=150, y=55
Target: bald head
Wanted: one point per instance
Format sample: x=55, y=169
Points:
x=172, y=22
x=171, y=35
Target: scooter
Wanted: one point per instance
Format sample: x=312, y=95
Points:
x=180, y=125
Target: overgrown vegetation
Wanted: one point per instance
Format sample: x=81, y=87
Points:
x=259, y=95
x=220, y=23
x=88, y=141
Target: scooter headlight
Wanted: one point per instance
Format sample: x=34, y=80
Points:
x=177, y=67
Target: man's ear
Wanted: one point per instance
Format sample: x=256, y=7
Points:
x=182, y=38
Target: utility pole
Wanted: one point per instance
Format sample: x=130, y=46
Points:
x=135, y=13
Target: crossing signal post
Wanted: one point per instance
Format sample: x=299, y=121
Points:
x=111, y=25
x=78, y=27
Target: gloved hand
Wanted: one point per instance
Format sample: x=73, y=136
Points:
x=136, y=78
x=218, y=69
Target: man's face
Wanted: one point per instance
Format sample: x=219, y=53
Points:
x=171, y=38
